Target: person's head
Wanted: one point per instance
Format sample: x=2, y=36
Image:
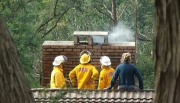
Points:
x=85, y=57
x=126, y=58
x=105, y=61
x=59, y=60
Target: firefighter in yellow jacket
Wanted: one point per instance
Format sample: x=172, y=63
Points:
x=84, y=74
x=106, y=72
x=57, y=77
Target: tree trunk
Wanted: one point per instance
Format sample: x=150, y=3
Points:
x=114, y=14
x=167, y=51
x=13, y=86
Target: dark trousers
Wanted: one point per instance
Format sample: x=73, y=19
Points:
x=128, y=88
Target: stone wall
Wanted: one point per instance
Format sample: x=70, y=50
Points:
x=50, y=49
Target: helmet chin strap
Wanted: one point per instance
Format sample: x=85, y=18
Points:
x=87, y=52
x=65, y=58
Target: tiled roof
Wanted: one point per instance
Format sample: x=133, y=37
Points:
x=91, y=96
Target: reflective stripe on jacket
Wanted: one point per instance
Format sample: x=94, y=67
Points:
x=85, y=75
x=105, y=77
x=57, y=78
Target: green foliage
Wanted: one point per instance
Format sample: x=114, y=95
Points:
x=145, y=64
x=146, y=17
x=21, y=20
x=32, y=80
x=147, y=70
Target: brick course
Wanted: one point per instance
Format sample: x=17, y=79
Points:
x=51, y=49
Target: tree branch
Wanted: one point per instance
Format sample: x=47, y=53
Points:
x=13, y=9
x=119, y=16
x=40, y=28
x=51, y=28
x=103, y=13
x=106, y=8
x=142, y=37
x=114, y=12
x=55, y=7
x=56, y=22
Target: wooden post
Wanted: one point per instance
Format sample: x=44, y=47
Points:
x=90, y=40
x=76, y=40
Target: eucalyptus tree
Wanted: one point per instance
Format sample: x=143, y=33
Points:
x=21, y=18
x=14, y=87
x=167, y=51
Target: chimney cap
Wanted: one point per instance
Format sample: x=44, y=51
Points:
x=91, y=33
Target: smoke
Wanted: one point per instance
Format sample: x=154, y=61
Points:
x=120, y=33
x=98, y=39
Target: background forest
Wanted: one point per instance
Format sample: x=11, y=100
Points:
x=31, y=22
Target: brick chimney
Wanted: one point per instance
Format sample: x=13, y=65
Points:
x=72, y=49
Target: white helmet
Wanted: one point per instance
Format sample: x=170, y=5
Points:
x=59, y=59
x=105, y=60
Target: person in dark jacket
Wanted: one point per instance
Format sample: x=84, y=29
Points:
x=126, y=73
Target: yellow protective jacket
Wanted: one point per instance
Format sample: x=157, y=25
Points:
x=84, y=75
x=105, y=77
x=57, y=78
